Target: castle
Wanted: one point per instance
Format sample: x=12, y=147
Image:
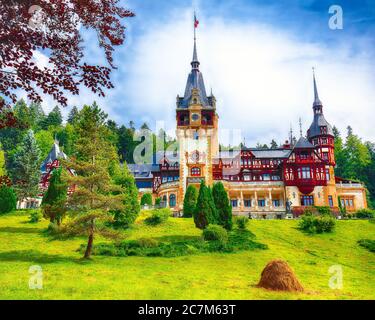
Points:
x=261, y=183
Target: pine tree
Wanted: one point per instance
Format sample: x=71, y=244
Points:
x=128, y=214
x=95, y=195
x=36, y=114
x=54, y=118
x=223, y=206
x=72, y=116
x=22, y=113
x=204, y=213
x=54, y=200
x=26, y=171
x=190, y=201
x=211, y=202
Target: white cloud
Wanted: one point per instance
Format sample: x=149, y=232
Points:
x=261, y=77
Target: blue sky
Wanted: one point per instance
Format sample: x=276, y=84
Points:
x=257, y=57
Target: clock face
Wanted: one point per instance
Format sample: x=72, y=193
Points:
x=195, y=117
x=195, y=156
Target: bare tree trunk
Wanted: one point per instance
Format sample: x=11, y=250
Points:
x=90, y=242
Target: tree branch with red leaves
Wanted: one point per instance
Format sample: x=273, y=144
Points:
x=53, y=28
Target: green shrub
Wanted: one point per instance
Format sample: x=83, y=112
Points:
x=148, y=243
x=157, y=202
x=324, y=210
x=215, y=233
x=158, y=216
x=317, y=224
x=8, y=199
x=146, y=199
x=35, y=216
x=368, y=244
x=242, y=222
x=365, y=214
x=236, y=241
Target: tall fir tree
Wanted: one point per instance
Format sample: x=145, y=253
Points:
x=211, y=202
x=26, y=171
x=95, y=195
x=36, y=115
x=223, y=207
x=54, y=200
x=204, y=213
x=190, y=201
x=54, y=119
x=72, y=116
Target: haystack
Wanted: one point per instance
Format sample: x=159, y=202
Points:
x=278, y=276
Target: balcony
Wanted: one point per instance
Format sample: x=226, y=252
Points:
x=167, y=185
x=349, y=185
x=195, y=180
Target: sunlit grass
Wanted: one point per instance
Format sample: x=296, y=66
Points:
x=202, y=276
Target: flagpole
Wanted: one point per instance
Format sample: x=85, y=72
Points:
x=195, y=31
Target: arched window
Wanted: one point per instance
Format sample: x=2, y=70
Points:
x=195, y=172
x=172, y=200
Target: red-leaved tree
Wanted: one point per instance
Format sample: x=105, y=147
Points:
x=53, y=27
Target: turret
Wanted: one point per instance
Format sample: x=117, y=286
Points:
x=320, y=133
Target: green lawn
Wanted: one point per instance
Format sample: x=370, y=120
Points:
x=205, y=276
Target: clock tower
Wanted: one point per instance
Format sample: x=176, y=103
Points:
x=197, y=130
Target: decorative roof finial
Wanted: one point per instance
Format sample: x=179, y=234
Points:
x=317, y=101
x=291, y=134
x=300, y=127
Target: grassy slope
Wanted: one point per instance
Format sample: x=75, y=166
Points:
x=209, y=276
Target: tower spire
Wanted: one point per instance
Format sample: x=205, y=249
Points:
x=195, y=63
x=300, y=127
x=317, y=102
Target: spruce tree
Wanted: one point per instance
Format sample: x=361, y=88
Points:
x=204, y=213
x=190, y=201
x=223, y=207
x=211, y=202
x=128, y=214
x=95, y=196
x=26, y=171
x=72, y=116
x=54, y=200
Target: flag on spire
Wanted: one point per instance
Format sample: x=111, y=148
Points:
x=196, y=21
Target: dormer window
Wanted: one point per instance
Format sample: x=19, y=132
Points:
x=323, y=130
